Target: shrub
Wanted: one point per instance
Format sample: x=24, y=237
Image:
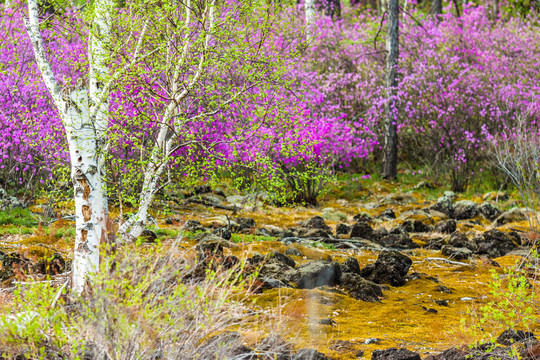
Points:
x=144, y=303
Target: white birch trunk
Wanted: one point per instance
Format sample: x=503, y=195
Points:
x=309, y=9
x=85, y=127
x=159, y=158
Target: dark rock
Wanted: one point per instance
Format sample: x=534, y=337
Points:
x=431, y=311
x=309, y=354
x=394, y=354
x=489, y=211
x=397, y=241
x=446, y=227
x=444, y=205
x=512, y=215
x=282, y=258
x=388, y=214
x=317, y=273
x=315, y=222
x=362, y=230
x=399, y=229
x=460, y=240
x=148, y=236
x=416, y=226
x=509, y=337
x=342, y=229
x=360, y=288
x=380, y=233
x=443, y=289
x=465, y=209
x=273, y=271
x=390, y=268
x=495, y=243
x=449, y=354
x=363, y=217
x=328, y=321
x=245, y=223
x=315, y=233
x=292, y=251
x=442, y=302
x=350, y=266
x=421, y=276
x=456, y=253
x=223, y=233
x=193, y=225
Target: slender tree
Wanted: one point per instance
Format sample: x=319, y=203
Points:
x=83, y=109
x=436, y=7
x=389, y=164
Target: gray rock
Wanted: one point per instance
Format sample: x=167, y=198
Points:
x=390, y=268
x=465, y=209
x=293, y=251
x=309, y=354
x=446, y=227
x=394, y=354
x=360, y=288
x=456, y=253
x=512, y=215
x=350, y=265
x=495, y=243
x=445, y=205
x=317, y=273
x=489, y=211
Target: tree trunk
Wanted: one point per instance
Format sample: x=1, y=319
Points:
x=87, y=172
x=309, y=8
x=389, y=165
x=85, y=126
x=436, y=7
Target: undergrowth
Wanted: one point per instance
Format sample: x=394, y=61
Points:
x=148, y=302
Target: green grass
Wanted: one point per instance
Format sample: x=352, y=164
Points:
x=18, y=217
x=241, y=238
x=11, y=229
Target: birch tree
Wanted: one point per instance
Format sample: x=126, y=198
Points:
x=83, y=110
x=179, y=55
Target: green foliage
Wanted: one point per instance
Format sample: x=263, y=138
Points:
x=514, y=304
x=18, y=217
x=143, y=301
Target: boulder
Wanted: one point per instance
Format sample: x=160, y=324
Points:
x=446, y=226
x=362, y=230
x=495, y=243
x=282, y=258
x=397, y=241
x=387, y=214
x=489, y=211
x=394, y=354
x=350, y=265
x=309, y=354
x=315, y=222
x=360, y=288
x=343, y=229
x=416, y=226
x=445, y=205
x=465, y=209
x=390, y=268
x=509, y=337
x=317, y=273
x=449, y=354
x=456, y=253
x=460, y=240
x=512, y=215
x=293, y=251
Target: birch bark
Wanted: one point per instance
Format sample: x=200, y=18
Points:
x=84, y=116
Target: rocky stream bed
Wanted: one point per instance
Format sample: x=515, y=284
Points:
x=352, y=278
